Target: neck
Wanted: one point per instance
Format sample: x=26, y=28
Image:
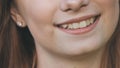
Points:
x=48, y=60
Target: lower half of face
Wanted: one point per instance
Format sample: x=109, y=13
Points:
x=74, y=32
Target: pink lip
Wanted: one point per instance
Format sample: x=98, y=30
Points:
x=82, y=30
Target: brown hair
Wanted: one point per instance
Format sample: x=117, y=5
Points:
x=111, y=56
x=16, y=44
x=17, y=47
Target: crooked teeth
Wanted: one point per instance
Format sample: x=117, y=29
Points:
x=70, y=26
x=65, y=26
x=81, y=24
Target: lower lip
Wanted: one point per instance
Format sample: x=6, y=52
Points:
x=82, y=30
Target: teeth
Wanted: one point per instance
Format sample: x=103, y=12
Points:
x=70, y=26
x=75, y=25
x=88, y=22
x=64, y=26
x=81, y=24
x=92, y=20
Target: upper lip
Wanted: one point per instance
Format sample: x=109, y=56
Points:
x=78, y=19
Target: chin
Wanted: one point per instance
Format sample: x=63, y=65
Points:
x=80, y=48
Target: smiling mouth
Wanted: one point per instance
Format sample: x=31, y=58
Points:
x=79, y=25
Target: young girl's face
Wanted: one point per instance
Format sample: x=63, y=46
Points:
x=69, y=27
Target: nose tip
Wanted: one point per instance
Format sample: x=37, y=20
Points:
x=73, y=5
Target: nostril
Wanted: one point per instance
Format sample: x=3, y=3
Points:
x=83, y=5
x=68, y=9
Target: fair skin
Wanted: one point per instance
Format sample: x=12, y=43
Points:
x=68, y=48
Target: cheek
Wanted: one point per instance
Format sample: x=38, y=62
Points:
x=110, y=15
x=38, y=15
x=40, y=10
x=107, y=5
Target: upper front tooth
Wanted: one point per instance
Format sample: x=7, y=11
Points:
x=70, y=26
x=75, y=25
x=82, y=24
